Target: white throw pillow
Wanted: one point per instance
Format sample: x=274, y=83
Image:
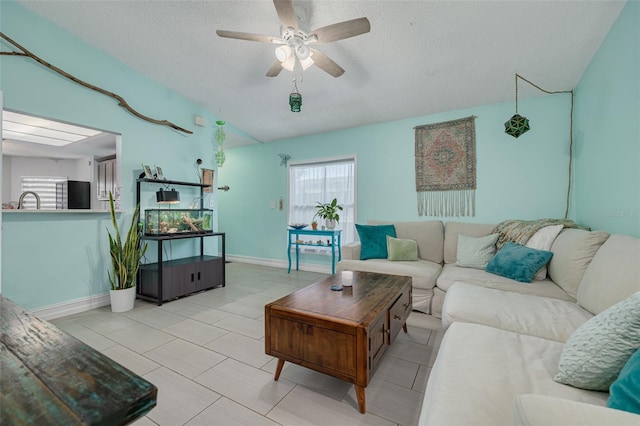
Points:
x=542, y=240
x=476, y=252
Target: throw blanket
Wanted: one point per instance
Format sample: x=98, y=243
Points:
x=519, y=231
x=446, y=168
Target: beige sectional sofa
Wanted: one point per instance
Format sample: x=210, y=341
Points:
x=504, y=339
x=436, y=270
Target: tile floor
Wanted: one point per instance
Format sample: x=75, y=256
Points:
x=205, y=353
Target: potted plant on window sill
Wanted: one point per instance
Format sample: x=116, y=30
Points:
x=329, y=212
x=125, y=262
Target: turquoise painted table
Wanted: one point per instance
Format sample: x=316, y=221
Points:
x=334, y=238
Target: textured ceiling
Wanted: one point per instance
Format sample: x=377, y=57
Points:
x=420, y=58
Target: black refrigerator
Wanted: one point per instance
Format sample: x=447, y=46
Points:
x=73, y=194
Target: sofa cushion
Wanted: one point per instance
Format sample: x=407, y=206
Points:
x=625, y=391
x=543, y=240
x=399, y=249
x=573, y=250
x=373, y=240
x=613, y=275
x=475, y=252
x=506, y=310
x=429, y=234
x=480, y=370
x=518, y=262
x=596, y=352
x=422, y=272
x=453, y=229
x=542, y=410
x=452, y=273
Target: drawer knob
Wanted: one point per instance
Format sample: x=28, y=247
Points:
x=396, y=316
x=405, y=305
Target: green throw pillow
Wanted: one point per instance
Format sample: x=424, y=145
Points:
x=625, y=391
x=476, y=252
x=373, y=240
x=596, y=352
x=402, y=249
x=518, y=262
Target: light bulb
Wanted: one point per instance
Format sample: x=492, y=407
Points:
x=283, y=52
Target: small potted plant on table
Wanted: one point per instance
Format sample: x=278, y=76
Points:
x=329, y=212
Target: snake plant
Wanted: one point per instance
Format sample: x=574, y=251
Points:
x=125, y=258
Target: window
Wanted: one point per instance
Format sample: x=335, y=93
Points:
x=45, y=187
x=311, y=182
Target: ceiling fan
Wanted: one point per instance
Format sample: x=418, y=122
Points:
x=295, y=51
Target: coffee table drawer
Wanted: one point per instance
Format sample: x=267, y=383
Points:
x=399, y=312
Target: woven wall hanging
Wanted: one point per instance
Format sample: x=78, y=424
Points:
x=446, y=168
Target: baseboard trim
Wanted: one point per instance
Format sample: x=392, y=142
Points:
x=310, y=267
x=72, y=307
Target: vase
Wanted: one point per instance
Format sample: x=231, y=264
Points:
x=122, y=300
x=330, y=224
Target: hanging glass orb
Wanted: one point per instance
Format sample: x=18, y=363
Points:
x=516, y=126
x=295, y=101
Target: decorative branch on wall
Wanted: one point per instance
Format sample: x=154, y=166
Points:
x=26, y=53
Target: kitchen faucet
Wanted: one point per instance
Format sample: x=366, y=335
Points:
x=29, y=192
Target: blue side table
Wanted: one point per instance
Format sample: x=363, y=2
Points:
x=334, y=234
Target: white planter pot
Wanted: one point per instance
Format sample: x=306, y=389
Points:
x=331, y=224
x=122, y=300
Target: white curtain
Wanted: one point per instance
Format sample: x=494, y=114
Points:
x=311, y=183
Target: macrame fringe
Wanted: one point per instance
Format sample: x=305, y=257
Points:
x=447, y=203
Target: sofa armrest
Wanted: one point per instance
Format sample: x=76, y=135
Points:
x=351, y=251
x=531, y=410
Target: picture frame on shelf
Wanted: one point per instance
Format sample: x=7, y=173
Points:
x=147, y=171
x=159, y=174
x=207, y=179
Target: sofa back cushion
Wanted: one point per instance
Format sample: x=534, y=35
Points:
x=612, y=276
x=453, y=229
x=573, y=251
x=429, y=235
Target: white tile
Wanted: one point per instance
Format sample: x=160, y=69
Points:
x=391, y=402
x=242, y=348
x=144, y=421
x=414, y=352
x=185, y=358
x=195, y=331
x=318, y=382
x=302, y=406
x=96, y=340
x=105, y=322
x=203, y=313
x=243, y=325
x=179, y=399
x=137, y=363
x=141, y=338
x=228, y=413
x=250, y=310
x=397, y=371
x=156, y=318
x=246, y=385
x=422, y=377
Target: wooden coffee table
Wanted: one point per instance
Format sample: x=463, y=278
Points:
x=340, y=333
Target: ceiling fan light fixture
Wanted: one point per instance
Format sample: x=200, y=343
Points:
x=283, y=52
x=289, y=64
x=303, y=52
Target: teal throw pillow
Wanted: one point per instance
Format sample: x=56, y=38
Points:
x=595, y=353
x=624, y=393
x=518, y=262
x=476, y=252
x=402, y=249
x=373, y=240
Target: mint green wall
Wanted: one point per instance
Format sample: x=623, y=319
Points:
x=49, y=259
x=608, y=137
x=523, y=178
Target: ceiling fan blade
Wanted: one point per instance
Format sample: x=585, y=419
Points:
x=275, y=69
x=249, y=36
x=286, y=13
x=326, y=64
x=342, y=30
